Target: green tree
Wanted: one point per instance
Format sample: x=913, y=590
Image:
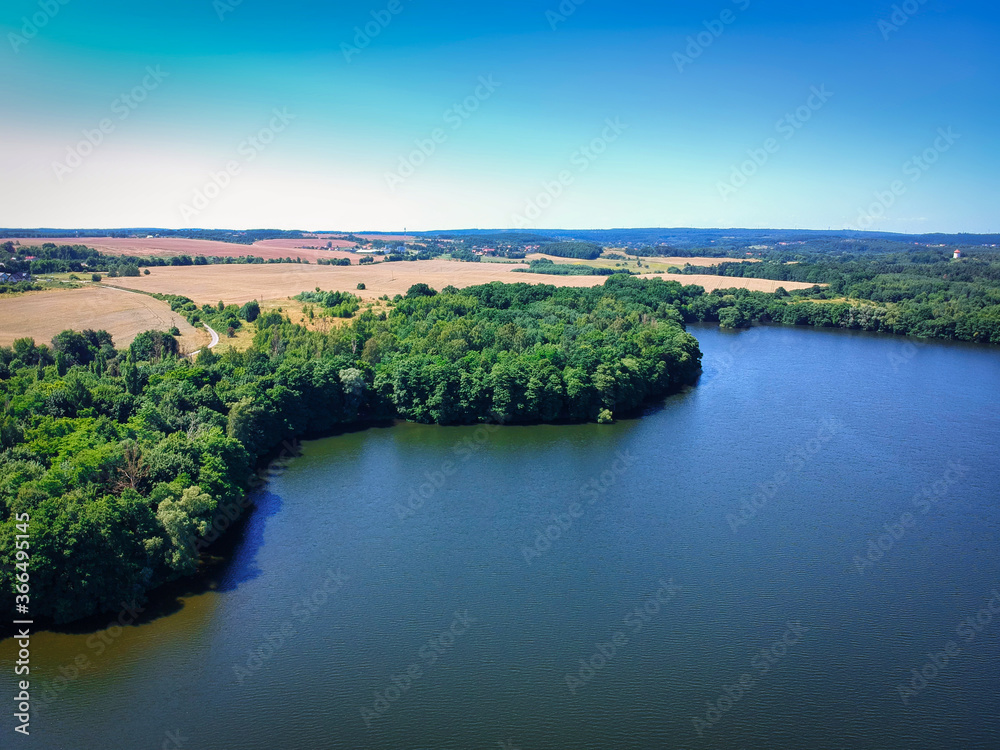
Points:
x=250, y=311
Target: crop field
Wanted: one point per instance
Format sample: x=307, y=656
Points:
x=168, y=247
x=124, y=314
x=655, y=263
x=41, y=315
x=239, y=284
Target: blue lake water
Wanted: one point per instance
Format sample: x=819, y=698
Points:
x=761, y=562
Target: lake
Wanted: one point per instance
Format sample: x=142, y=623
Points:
x=801, y=552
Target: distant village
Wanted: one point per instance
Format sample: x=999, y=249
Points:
x=14, y=269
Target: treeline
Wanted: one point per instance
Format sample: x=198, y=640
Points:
x=550, y=267
x=123, y=458
x=337, y=304
x=579, y=250
x=945, y=319
x=52, y=258
x=919, y=293
x=422, y=255
x=466, y=256
x=244, y=237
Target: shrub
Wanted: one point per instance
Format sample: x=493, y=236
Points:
x=250, y=311
x=420, y=290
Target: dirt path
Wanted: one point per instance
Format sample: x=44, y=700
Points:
x=123, y=314
x=215, y=340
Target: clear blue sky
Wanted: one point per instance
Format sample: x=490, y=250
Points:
x=344, y=158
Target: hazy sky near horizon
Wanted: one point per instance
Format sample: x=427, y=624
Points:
x=391, y=114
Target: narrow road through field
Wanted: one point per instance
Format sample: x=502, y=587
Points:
x=215, y=340
x=215, y=336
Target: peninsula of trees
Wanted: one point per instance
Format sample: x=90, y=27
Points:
x=121, y=458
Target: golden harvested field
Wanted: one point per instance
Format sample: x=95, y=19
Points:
x=387, y=237
x=168, y=247
x=41, y=315
x=656, y=262
x=239, y=284
x=681, y=262
x=728, y=282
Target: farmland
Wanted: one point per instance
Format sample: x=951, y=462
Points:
x=651, y=263
x=168, y=247
x=41, y=315
x=239, y=284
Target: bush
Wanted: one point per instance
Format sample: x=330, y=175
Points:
x=420, y=290
x=146, y=272
x=250, y=311
x=362, y=286
x=175, y=331
x=732, y=317
x=96, y=278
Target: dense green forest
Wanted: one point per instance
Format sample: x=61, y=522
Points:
x=123, y=458
x=550, y=267
x=580, y=250
x=924, y=293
